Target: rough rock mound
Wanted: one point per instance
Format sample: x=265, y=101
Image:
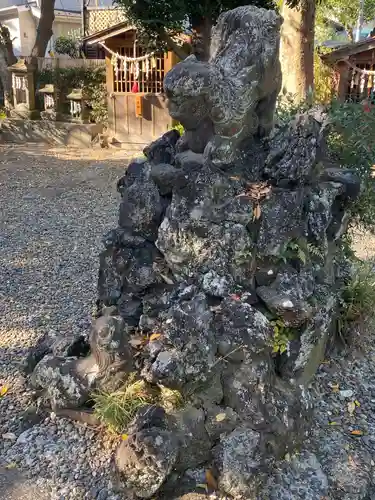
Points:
x=227, y=263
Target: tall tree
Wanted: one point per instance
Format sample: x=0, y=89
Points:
x=345, y=13
x=161, y=21
x=297, y=47
x=7, y=58
x=44, y=29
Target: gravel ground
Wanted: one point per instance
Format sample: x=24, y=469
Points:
x=55, y=206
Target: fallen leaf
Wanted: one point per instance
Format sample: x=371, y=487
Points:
x=335, y=388
x=351, y=460
x=3, y=390
x=220, y=417
x=234, y=178
x=154, y=336
x=357, y=403
x=287, y=457
x=12, y=465
x=356, y=432
x=124, y=437
x=333, y=423
x=210, y=480
x=351, y=408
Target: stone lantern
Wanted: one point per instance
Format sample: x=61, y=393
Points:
x=78, y=108
x=23, y=86
x=49, y=102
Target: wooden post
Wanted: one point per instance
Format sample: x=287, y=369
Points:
x=343, y=70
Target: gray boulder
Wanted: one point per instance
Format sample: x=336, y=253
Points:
x=242, y=463
x=288, y=296
x=147, y=457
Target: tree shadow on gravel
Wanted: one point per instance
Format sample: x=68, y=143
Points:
x=15, y=486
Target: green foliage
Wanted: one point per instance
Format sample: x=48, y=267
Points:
x=91, y=81
x=294, y=250
x=3, y=114
x=324, y=81
x=288, y=107
x=282, y=334
x=116, y=409
x=351, y=143
x=314, y=251
x=180, y=129
x=154, y=20
x=344, y=12
x=68, y=45
x=358, y=298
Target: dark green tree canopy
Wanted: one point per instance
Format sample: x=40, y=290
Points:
x=159, y=21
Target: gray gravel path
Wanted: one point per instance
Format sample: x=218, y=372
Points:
x=55, y=207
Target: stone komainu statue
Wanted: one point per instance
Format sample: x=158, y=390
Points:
x=232, y=97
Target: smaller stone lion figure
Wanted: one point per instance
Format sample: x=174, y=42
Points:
x=232, y=97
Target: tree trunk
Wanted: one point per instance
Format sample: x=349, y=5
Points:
x=44, y=30
x=297, y=49
x=201, y=37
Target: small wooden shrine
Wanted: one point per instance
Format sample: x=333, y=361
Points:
x=134, y=78
x=355, y=65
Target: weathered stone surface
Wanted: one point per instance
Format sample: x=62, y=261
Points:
x=147, y=457
x=64, y=382
x=216, y=285
x=141, y=209
x=236, y=90
x=241, y=462
x=130, y=308
x=163, y=150
x=281, y=221
x=71, y=345
x=288, y=296
x=188, y=161
x=347, y=177
x=194, y=442
x=196, y=140
x=187, y=346
x=111, y=352
x=138, y=169
x=205, y=229
x=244, y=389
x=241, y=329
x=220, y=420
x=167, y=178
x=325, y=207
x=313, y=341
x=294, y=150
x=126, y=269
